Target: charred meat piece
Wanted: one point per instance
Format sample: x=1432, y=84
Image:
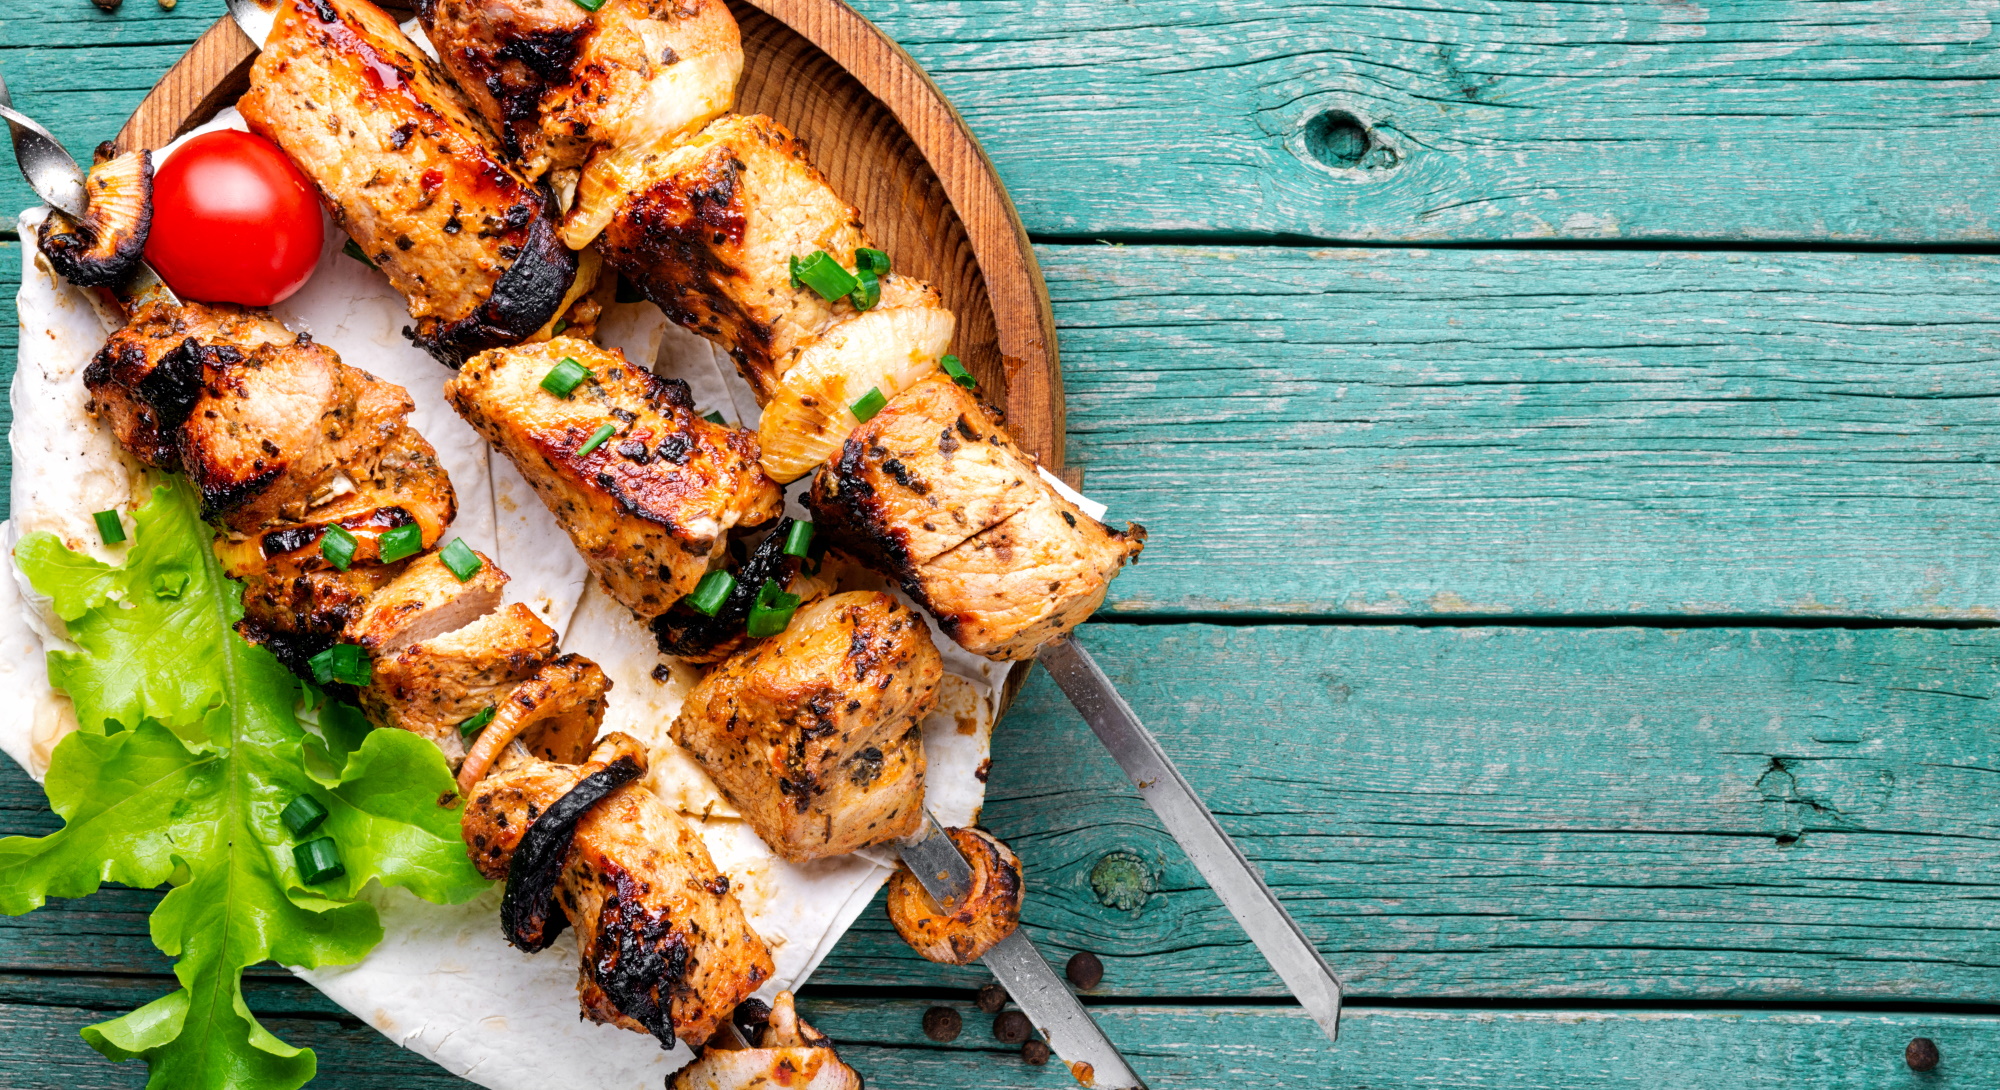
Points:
x=146, y=378
x=105, y=247
x=684, y=633
x=990, y=913
x=933, y=493
x=789, y=1053
x=411, y=174
x=711, y=236
x=437, y=686
x=653, y=503
x=666, y=949
x=608, y=91
x=296, y=609
x=815, y=735
x=427, y=599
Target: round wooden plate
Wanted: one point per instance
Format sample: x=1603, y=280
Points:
x=887, y=140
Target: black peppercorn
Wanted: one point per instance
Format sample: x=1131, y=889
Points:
x=992, y=997
x=942, y=1024
x=1084, y=970
x=750, y=1017
x=1011, y=1027
x=1922, y=1054
x=1035, y=1052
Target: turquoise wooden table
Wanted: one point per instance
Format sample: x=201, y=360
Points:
x=1568, y=434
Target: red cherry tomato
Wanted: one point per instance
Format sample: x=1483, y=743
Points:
x=233, y=221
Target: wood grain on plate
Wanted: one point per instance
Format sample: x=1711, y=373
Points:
x=884, y=136
x=1716, y=815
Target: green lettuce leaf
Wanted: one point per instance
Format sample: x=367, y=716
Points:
x=190, y=745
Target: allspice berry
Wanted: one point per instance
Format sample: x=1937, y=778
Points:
x=107, y=5
x=1011, y=1027
x=942, y=1024
x=1922, y=1054
x=1035, y=1052
x=992, y=997
x=1084, y=970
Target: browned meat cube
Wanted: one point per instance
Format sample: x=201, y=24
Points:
x=654, y=503
x=145, y=379
x=711, y=237
x=664, y=940
x=932, y=492
x=435, y=686
x=411, y=174
x=815, y=735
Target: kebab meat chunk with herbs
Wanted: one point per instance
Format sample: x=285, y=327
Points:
x=330, y=507
x=413, y=176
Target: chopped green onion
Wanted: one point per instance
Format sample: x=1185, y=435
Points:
x=353, y=250
x=401, y=542
x=871, y=403
x=561, y=324
x=958, y=372
x=596, y=439
x=772, y=611
x=563, y=379
x=319, y=861
x=459, y=557
x=589, y=5
x=874, y=261
x=711, y=592
x=303, y=815
x=820, y=272
x=109, y=529
x=169, y=584
x=716, y=418
x=869, y=293
x=475, y=723
x=798, y=539
x=338, y=546
x=343, y=662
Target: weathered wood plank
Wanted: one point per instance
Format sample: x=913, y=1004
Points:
x=1582, y=814
x=1211, y=1048
x=1448, y=431
x=1503, y=119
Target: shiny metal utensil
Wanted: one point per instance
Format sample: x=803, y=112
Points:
x=1049, y=1004
x=254, y=19
x=1207, y=845
x=58, y=180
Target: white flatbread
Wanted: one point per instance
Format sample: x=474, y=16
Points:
x=443, y=983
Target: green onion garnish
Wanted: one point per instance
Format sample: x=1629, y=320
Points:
x=459, y=557
x=343, y=662
x=596, y=439
x=303, y=815
x=820, y=272
x=561, y=324
x=563, y=379
x=109, y=529
x=353, y=250
x=871, y=403
x=869, y=293
x=958, y=372
x=711, y=592
x=799, y=539
x=338, y=546
x=319, y=861
x=475, y=723
x=874, y=261
x=772, y=611
x=588, y=5
x=716, y=418
x=401, y=542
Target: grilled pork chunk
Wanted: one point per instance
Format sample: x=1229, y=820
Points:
x=145, y=378
x=815, y=735
x=609, y=91
x=990, y=913
x=652, y=504
x=711, y=236
x=436, y=687
x=789, y=1053
x=666, y=949
x=932, y=492
x=411, y=174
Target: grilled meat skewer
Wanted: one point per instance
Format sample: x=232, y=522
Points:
x=412, y=175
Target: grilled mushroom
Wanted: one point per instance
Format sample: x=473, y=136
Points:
x=789, y=1053
x=990, y=913
x=104, y=248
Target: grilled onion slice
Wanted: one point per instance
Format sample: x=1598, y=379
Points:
x=889, y=348
x=104, y=248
